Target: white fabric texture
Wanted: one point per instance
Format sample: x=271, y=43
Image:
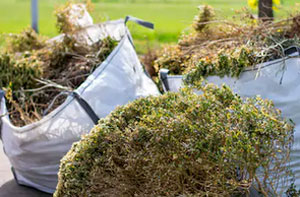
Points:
x=79, y=16
x=278, y=81
x=35, y=150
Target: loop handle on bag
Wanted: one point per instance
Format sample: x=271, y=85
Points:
x=2, y=94
x=87, y=108
x=139, y=21
x=291, y=50
x=163, y=75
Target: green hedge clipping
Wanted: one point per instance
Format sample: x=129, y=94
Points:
x=181, y=144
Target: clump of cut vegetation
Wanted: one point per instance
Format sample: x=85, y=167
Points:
x=27, y=40
x=241, y=42
x=35, y=69
x=206, y=14
x=181, y=144
x=224, y=66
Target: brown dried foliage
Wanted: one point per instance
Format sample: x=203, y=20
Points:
x=213, y=37
x=35, y=70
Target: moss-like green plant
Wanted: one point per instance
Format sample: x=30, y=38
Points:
x=233, y=65
x=181, y=144
x=27, y=40
x=19, y=72
x=172, y=59
x=223, y=65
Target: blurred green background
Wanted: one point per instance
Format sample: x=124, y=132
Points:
x=170, y=17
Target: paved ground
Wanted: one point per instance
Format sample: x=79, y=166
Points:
x=8, y=186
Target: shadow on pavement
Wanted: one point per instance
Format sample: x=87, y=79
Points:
x=11, y=188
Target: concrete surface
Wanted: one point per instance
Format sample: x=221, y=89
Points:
x=8, y=185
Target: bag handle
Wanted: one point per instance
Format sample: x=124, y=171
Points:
x=139, y=21
x=291, y=50
x=2, y=94
x=83, y=103
x=87, y=108
x=163, y=75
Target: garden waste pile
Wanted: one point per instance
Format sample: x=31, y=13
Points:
x=250, y=56
x=226, y=47
x=181, y=144
x=98, y=69
x=35, y=70
x=216, y=143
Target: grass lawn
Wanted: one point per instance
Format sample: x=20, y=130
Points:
x=170, y=17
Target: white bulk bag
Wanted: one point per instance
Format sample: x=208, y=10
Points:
x=35, y=150
x=278, y=80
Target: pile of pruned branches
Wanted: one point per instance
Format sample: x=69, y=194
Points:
x=225, y=47
x=36, y=69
